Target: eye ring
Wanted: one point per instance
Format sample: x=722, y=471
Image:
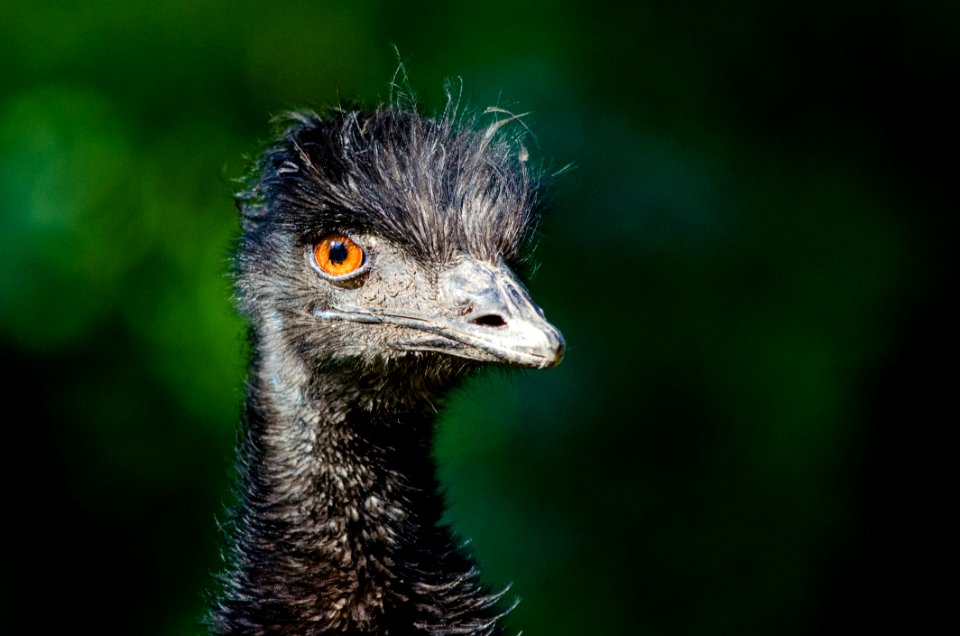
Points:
x=337, y=256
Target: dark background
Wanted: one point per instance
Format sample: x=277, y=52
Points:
x=750, y=261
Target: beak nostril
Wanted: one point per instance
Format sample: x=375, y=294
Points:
x=490, y=320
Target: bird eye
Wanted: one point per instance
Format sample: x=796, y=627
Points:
x=336, y=255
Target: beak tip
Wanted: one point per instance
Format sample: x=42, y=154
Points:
x=555, y=349
x=558, y=354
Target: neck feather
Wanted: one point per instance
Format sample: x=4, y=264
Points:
x=338, y=525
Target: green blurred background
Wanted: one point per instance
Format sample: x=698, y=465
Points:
x=749, y=261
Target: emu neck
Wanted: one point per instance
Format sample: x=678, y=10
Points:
x=343, y=447
x=346, y=474
x=338, y=528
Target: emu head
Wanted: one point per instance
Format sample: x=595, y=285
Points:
x=382, y=237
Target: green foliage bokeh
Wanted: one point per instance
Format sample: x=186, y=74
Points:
x=752, y=234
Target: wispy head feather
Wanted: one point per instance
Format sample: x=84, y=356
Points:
x=434, y=185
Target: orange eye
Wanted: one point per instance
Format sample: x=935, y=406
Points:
x=337, y=255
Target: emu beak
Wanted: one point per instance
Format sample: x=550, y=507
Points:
x=496, y=319
x=499, y=318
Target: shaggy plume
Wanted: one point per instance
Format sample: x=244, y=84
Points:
x=434, y=185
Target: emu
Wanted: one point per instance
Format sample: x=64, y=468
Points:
x=379, y=263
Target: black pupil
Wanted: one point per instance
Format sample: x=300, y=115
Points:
x=338, y=252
